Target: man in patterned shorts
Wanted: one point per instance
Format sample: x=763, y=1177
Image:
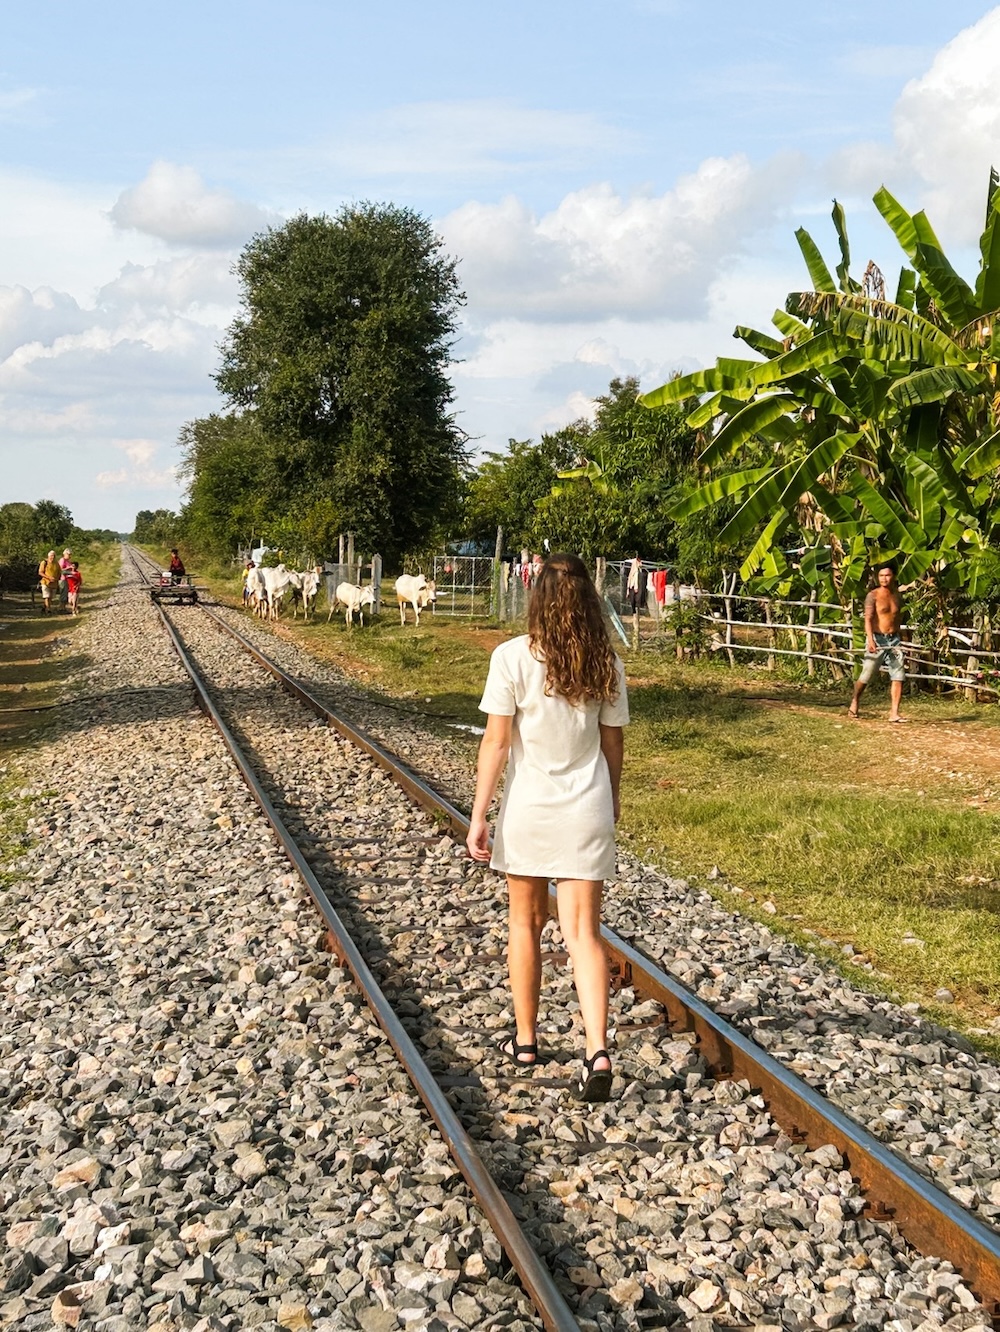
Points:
x=883, y=611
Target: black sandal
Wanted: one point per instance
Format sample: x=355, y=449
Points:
x=596, y=1086
x=511, y=1047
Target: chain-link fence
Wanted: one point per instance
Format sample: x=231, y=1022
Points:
x=464, y=585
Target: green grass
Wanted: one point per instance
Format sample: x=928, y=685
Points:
x=36, y=658
x=36, y=654
x=830, y=821
x=14, y=811
x=845, y=828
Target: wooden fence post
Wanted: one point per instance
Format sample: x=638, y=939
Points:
x=377, y=582
x=772, y=638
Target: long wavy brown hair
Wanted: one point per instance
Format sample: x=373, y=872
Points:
x=566, y=630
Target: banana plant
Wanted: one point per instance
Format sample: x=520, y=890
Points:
x=879, y=420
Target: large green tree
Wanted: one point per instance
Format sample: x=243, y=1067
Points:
x=505, y=488
x=227, y=466
x=870, y=425
x=341, y=352
x=630, y=464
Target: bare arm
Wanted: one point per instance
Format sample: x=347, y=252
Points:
x=613, y=749
x=870, y=621
x=493, y=750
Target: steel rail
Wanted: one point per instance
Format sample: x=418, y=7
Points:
x=535, y=1276
x=932, y=1220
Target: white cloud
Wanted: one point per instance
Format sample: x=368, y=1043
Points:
x=600, y=255
x=14, y=102
x=36, y=316
x=199, y=285
x=141, y=474
x=947, y=128
x=174, y=204
x=487, y=136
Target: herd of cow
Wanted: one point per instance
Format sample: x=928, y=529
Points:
x=266, y=590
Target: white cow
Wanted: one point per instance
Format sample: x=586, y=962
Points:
x=256, y=591
x=277, y=581
x=418, y=591
x=304, y=590
x=353, y=599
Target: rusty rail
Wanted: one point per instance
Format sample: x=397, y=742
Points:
x=533, y=1273
x=924, y=1213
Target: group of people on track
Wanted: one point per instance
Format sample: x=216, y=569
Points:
x=60, y=580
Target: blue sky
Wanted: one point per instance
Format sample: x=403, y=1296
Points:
x=620, y=182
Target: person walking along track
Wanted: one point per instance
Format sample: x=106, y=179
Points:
x=556, y=703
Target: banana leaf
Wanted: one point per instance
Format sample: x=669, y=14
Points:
x=723, y=487
x=727, y=373
x=847, y=283
x=816, y=264
x=981, y=459
x=782, y=488
x=820, y=351
x=882, y=511
x=899, y=220
x=787, y=324
x=752, y=419
x=935, y=384
x=762, y=547
x=906, y=287
x=760, y=342
x=988, y=281
x=952, y=294
x=886, y=339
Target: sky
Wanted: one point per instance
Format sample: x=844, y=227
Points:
x=619, y=180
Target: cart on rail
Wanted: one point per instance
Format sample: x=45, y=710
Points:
x=166, y=586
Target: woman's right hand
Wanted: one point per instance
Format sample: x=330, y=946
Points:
x=478, y=840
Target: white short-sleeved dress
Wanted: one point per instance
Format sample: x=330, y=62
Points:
x=556, y=817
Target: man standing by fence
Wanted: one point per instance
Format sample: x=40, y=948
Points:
x=883, y=645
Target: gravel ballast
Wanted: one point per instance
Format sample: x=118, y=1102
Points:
x=204, y=1128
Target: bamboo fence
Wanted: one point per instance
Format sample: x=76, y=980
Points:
x=962, y=657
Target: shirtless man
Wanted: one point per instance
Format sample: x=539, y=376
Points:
x=883, y=609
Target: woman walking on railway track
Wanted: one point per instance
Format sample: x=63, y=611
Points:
x=555, y=702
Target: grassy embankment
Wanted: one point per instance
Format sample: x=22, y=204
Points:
x=883, y=837
x=36, y=658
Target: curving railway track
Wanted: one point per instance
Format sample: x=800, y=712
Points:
x=427, y=1001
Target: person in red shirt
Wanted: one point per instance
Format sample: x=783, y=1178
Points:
x=74, y=581
x=177, y=570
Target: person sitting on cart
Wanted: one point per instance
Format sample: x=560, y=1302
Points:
x=177, y=570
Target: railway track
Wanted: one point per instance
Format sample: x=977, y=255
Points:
x=930, y=1219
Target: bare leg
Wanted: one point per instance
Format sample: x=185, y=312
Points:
x=895, y=697
x=859, y=689
x=580, y=922
x=528, y=914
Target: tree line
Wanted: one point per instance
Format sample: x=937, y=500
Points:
x=336, y=416
x=27, y=531
x=863, y=428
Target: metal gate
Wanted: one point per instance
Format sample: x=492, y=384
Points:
x=464, y=585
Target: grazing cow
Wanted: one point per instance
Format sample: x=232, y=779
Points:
x=353, y=599
x=418, y=591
